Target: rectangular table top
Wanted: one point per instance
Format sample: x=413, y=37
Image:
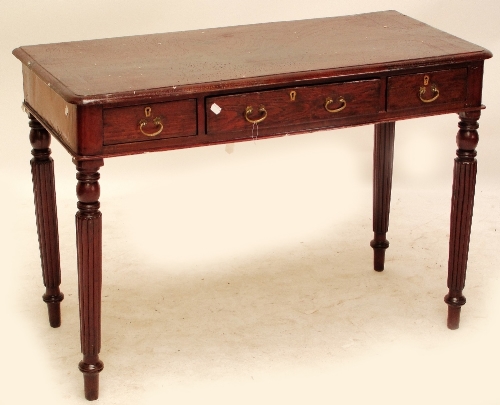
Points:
x=94, y=71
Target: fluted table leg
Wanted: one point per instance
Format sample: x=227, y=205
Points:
x=462, y=201
x=42, y=170
x=89, y=251
x=383, y=156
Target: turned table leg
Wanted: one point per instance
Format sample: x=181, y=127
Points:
x=462, y=201
x=89, y=251
x=383, y=156
x=42, y=170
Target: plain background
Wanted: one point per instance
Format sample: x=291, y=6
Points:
x=244, y=277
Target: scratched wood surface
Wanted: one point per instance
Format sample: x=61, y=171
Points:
x=96, y=69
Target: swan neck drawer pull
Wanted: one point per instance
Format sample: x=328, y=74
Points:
x=329, y=101
x=435, y=91
x=144, y=122
x=249, y=110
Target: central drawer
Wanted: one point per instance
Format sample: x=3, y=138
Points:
x=293, y=108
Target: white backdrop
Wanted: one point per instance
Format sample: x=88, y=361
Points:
x=236, y=204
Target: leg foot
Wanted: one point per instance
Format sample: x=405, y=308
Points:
x=453, y=321
x=91, y=378
x=379, y=247
x=455, y=300
x=54, y=307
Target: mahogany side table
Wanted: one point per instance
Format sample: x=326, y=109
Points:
x=112, y=97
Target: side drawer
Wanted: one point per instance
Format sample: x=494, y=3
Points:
x=294, y=107
x=147, y=122
x=426, y=90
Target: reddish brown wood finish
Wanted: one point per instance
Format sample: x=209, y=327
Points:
x=298, y=111
x=91, y=96
x=462, y=202
x=383, y=157
x=403, y=91
x=89, y=249
x=42, y=170
x=236, y=60
x=121, y=125
x=181, y=63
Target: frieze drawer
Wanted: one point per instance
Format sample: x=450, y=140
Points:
x=150, y=121
x=296, y=108
x=426, y=90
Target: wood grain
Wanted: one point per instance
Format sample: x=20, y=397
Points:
x=99, y=71
x=403, y=91
x=308, y=107
x=178, y=118
x=59, y=114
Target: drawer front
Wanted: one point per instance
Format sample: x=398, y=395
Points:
x=426, y=90
x=149, y=122
x=296, y=108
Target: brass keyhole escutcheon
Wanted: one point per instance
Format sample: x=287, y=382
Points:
x=426, y=80
x=147, y=111
x=293, y=94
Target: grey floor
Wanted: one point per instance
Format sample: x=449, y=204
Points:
x=246, y=277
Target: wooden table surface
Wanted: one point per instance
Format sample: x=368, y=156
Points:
x=99, y=71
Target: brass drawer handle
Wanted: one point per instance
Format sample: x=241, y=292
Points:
x=429, y=100
x=330, y=101
x=156, y=121
x=249, y=110
x=144, y=122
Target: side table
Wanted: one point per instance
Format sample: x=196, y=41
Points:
x=121, y=96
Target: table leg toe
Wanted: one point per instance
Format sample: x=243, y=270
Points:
x=54, y=307
x=91, y=378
